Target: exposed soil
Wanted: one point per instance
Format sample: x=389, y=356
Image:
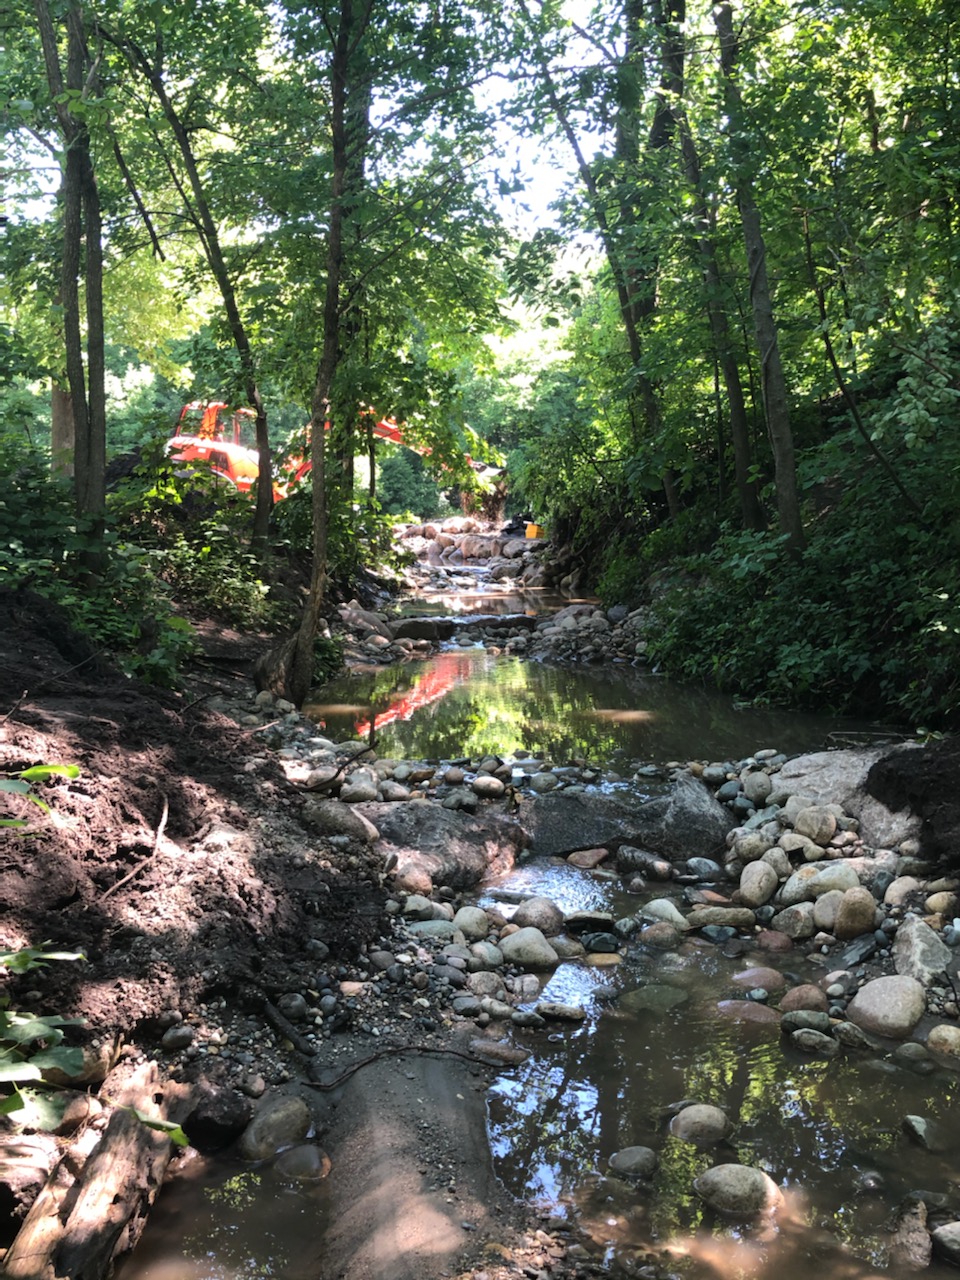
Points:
x=177, y=864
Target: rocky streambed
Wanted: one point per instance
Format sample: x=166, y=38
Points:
x=841, y=926
x=339, y=956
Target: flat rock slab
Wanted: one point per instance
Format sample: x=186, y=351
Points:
x=451, y=847
x=686, y=822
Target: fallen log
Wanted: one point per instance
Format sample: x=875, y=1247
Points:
x=96, y=1201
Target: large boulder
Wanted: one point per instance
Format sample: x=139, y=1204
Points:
x=841, y=777
x=890, y=1006
x=686, y=822
x=444, y=845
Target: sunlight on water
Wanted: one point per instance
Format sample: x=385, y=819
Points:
x=469, y=703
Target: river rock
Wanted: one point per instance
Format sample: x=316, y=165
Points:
x=816, y=1043
x=449, y=847
x=539, y=913
x=856, y=913
x=748, y=846
x=305, y=1162
x=945, y=1039
x=529, y=949
x=362, y=784
x=588, y=859
x=918, y=952
x=634, y=1162
x=665, y=910
x=335, y=818
x=738, y=1191
x=796, y=921
x=927, y=1133
x=488, y=787
x=725, y=917
x=817, y=823
x=655, y=998
x=890, y=1006
x=687, y=822
x=758, y=883
x=473, y=923
x=946, y=1242
x=279, y=1122
x=825, y=909
x=759, y=976
x=804, y=997
x=558, y=1012
x=757, y=785
x=701, y=1125
x=662, y=935
x=747, y=1011
x=630, y=858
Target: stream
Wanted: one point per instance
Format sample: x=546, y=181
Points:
x=828, y=1132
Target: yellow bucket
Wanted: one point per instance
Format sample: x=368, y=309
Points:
x=534, y=530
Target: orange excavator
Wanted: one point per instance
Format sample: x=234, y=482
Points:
x=209, y=431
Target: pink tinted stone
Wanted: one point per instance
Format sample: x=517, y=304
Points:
x=747, y=1011
x=760, y=976
x=587, y=859
x=773, y=940
x=806, y=996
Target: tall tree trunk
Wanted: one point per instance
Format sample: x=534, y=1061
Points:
x=289, y=669
x=81, y=229
x=206, y=226
x=772, y=381
x=636, y=288
x=751, y=512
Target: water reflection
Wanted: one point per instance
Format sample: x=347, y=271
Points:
x=471, y=702
x=818, y=1128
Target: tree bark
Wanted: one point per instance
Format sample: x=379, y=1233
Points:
x=290, y=667
x=62, y=431
x=772, y=381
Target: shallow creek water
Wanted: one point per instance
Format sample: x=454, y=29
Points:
x=830, y=1133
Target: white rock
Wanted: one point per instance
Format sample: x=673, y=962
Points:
x=918, y=952
x=529, y=949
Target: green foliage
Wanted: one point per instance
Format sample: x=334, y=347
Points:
x=31, y=1044
x=22, y=785
x=404, y=486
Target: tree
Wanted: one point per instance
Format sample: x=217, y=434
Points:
x=775, y=399
x=71, y=92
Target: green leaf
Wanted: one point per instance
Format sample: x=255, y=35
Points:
x=66, y=1059
x=40, y=772
x=172, y=1130
x=13, y=1103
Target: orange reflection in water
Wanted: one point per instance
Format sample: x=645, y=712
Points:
x=446, y=671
